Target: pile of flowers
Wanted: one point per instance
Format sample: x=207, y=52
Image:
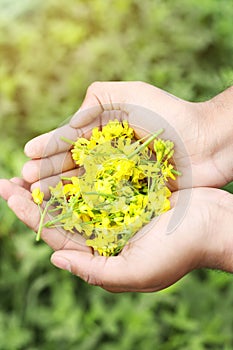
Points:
x=122, y=188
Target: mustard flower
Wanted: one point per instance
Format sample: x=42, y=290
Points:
x=37, y=196
x=122, y=187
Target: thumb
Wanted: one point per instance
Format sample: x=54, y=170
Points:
x=111, y=273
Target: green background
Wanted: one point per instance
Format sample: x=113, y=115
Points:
x=50, y=51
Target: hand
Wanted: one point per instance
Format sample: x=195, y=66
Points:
x=200, y=150
x=202, y=239
x=153, y=261
x=158, y=259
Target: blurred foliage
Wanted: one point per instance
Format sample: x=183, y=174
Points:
x=50, y=52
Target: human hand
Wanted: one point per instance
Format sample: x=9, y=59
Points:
x=154, y=260
x=166, y=252
x=200, y=151
x=206, y=156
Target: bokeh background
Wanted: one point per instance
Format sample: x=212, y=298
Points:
x=50, y=51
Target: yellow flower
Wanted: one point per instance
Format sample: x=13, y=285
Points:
x=79, y=152
x=122, y=187
x=118, y=168
x=163, y=149
x=97, y=136
x=105, y=223
x=37, y=196
x=128, y=219
x=124, y=168
x=167, y=171
x=104, y=244
x=112, y=129
x=167, y=192
x=138, y=174
x=127, y=130
x=73, y=188
x=57, y=191
x=104, y=185
x=166, y=205
x=159, y=147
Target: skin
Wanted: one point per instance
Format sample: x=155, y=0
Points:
x=157, y=259
x=202, y=143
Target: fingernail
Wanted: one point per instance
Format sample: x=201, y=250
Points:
x=61, y=263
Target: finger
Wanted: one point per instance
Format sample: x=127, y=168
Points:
x=52, y=181
x=56, y=163
x=37, y=169
x=21, y=182
x=27, y=211
x=9, y=188
x=51, y=142
x=116, y=274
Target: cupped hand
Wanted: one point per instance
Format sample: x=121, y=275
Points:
x=166, y=252
x=147, y=109
x=202, y=237
x=151, y=261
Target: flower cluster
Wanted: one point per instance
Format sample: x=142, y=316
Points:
x=122, y=188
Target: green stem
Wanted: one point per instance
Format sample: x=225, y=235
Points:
x=152, y=184
x=176, y=172
x=42, y=216
x=53, y=210
x=65, y=178
x=100, y=194
x=67, y=140
x=58, y=218
x=146, y=143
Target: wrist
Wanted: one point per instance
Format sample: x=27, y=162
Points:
x=222, y=106
x=218, y=243
x=216, y=117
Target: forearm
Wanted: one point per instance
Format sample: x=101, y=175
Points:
x=219, y=124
